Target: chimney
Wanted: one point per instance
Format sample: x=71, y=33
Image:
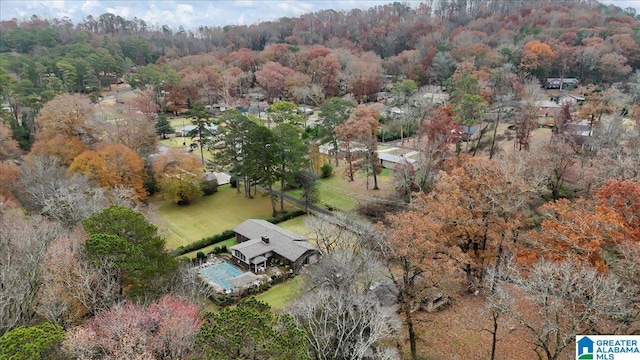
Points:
x=265, y=239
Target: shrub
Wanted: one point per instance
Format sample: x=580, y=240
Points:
x=326, y=171
x=233, y=181
x=286, y=216
x=224, y=249
x=204, y=242
x=200, y=255
x=209, y=187
x=223, y=300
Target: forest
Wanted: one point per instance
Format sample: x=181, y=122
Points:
x=507, y=223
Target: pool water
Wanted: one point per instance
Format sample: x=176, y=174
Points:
x=221, y=274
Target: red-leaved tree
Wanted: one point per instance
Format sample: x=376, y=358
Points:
x=165, y=329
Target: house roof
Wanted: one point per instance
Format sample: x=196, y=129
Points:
x=567, y=95
x=563, y=79
x=281, y=241
x=547, y=104
x=255, y=228
x=469, y=129
x=258, y=260
x=253, y=247
x=395, y=158
x=328, y=146
x=189, y=128
x=243, y=279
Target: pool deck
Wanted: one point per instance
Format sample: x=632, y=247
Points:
x=234, y=282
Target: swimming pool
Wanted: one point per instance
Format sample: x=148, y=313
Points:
x=221, y=274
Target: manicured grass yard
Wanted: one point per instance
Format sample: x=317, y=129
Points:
x=332, y=192
x=343, y=195
x=208, y=215
x=296, y=225
x=281, y=295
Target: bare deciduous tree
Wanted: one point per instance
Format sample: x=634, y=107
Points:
x=564, y=299
x=74, y=286
x=333, y=234
x=342, y=325
x=555, y=160
x=23, y=242
x=626, y=266
x=345, y=269
x=47, y=188
x=187, y=284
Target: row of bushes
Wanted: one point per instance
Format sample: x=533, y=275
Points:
x=228, y=234
x=201, y=256
x=204, y=242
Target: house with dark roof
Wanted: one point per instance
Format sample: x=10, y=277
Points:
x=261, y=243
x=580, y=132
x=464, y=132
x=558, y=83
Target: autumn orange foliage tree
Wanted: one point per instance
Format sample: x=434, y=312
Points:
x=623, y=197
x=273, y=78
x=113, y=166
x=576, y=230
x=64, y=148
x=359, y=137
x=480, y=205
x=435, y=137
x=421, y=266
x=9, y=174
x=63, y=128
x=179, y=176
x=8, y=146
x=537, y=58
x=67, y=116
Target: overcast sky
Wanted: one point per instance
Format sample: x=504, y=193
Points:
x=190, y=13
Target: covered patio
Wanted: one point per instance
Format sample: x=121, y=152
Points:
x=259, y=264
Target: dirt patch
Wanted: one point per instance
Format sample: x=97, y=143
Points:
x=458, y=332
x=108, y=102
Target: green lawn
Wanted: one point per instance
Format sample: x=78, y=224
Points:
x=296, y=225
x=332, y=192
x=208, y=215
x=281, y=295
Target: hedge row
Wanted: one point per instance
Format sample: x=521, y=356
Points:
x=228, y=234
x=204, y=242
x=286, y=216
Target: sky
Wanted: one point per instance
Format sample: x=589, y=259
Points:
x=194, y=13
